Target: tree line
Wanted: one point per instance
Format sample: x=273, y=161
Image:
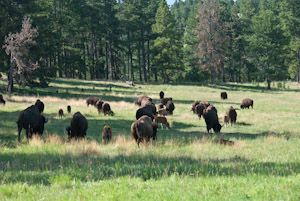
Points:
x=146, y=40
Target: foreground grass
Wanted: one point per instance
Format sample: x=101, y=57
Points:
x=184, y=163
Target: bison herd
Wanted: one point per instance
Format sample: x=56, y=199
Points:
x=148, y=117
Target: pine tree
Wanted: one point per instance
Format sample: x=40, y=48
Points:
x=167, y=45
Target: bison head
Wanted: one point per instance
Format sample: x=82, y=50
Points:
x=217, y=128
x=154, y=126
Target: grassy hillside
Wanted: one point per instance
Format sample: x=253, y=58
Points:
x=183, y=164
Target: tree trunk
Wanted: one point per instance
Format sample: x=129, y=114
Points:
x=111, y=64
x=269, y=83
x=148, y=56
x=106, y=60
x=139, y=59
x=10, y=86
x=144, y=56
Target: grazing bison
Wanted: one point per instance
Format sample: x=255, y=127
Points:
x=61, y=113
x=40, y=105
x=2, y=101
x=162, y=120
x=106, y=134
x=107, y=110
x=211, y=107
x=231, y=113
x=212, y=121
x=199, y=110
x=32, y=121
x=194, y=106
x=161, y=94
x=246, y=103
x=69, y=109
x=143, y=129
x=91, y=101
x=149, y=105
x=141, y=98
x=99, y=105
x=224, y=95
x=144, y=111
x=164, y=101
x=205, y=103
x=78, y=127
x=170, y=107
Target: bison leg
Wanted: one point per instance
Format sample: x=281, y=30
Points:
x=19, y=136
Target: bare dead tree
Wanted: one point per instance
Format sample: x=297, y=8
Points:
x=211, y=32
x=17, y=46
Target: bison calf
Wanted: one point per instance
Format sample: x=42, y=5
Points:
x=246, y=103
x=106, y=134
x=162, y=120
x=232, y=115
x=78, y=127
x=61, y=113
x=170, y=107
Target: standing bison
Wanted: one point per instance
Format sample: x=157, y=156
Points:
x=91, y=101
x=78, y=127
x=161, y=94
x=212, y=121
x=69, y=109
x=170, y=107
x=232, y=115
x=224, y=95
x=32, y=121
x=194, y=106
x=141, y=98
x=106, y=134
x=143, y=129
x=246, y=103
x=2, y=101
x=107, y=110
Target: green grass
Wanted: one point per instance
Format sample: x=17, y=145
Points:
x=183, y=164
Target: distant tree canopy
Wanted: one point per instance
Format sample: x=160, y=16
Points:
x=146, y=40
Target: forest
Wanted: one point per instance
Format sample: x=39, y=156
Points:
x=149, y=41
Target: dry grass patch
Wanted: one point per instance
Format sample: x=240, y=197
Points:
x=54, y=140
x=36, y=141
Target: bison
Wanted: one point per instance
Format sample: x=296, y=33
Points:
x=2, y=101
x=91, y=101
x=163, y=112
x=69, y=109
x=106, y=134
x=226, y=119
x=143, y=129
x=160, y=106
x=161, y=94
x=32, y=121
x=224, y=95
x=61, y=113
x=40, y=105
x=107, y=110
x=78, y=127
x=212, y=121
x=149, y=105
x=144, y=111
x=211, y=107
x=164, y=101
x=170, y=107
x=231, y=113
x=141, y=98
x=162, y=120
x=199, y=110
x=99, y=105
x=246, y=103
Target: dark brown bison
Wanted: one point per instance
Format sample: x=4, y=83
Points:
x=147, y=110
x=40, y=105
x=150, y=105
x=211, y=107
x=232, y=115
x=161, y=94
x=246, y=103
x=212, y=121
x=141, y=98
x=32, y=121
x=99, y=105
x=78, y=127
x=143, y=129
x=61, y=113
x=170, y=107
x=107, y=110
x=69, y=109
x=194, y=106
x=164, y=101
x=106, y=134
x=2, y=101
x=224, y=95
x=91, y=101
x=205, y=103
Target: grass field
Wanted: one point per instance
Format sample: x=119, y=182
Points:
x=183, y=164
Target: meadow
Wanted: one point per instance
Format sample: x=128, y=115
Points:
x=184, y=163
